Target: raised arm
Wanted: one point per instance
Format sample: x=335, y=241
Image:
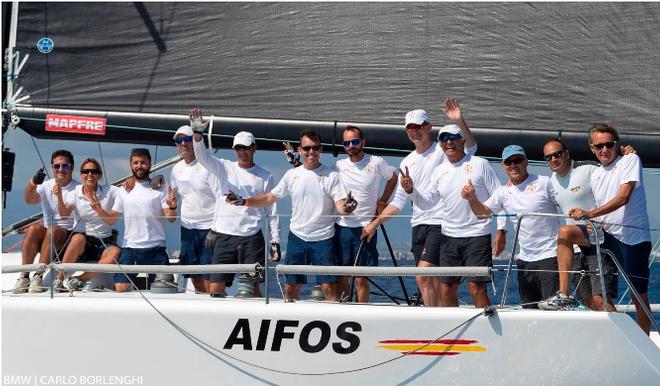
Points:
x=62, y=207
x=453, y=111
x=30, y=194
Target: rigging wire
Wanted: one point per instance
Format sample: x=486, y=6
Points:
x=105, y=175
x=41, y=158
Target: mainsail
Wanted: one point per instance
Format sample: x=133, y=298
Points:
x=522, y=72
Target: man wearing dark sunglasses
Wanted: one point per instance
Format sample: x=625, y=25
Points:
x=618, y=188
x=38, y=236
x=145, y=211
x=316, y=196
x=190, y=179
x=465, y=239
x=526, y=193
x=360, y=173
x=420, y=166
x=235, y=236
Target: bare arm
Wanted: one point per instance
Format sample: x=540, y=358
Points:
x=387, y=192
x=30, y=194
x=109, y=218
x=369, y=229
x=453, y=112
x=621, y=199
x=480, y=210
x=63, y=209
x=261, y=200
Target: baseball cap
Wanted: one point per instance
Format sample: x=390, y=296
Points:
x=243, y=138
x=451, y=129
x=185, y=130
x=512, y=150
x=416, y=117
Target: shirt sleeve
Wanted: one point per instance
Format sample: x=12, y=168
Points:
x=471, y=150
x=386, y=171
x=337, y=190
x=400, y=195
x=118, y=206
x=163, y=195
x=173, y=178
x=631, y=169
x=492, y=183
x=212, y=164
x=429, y=197
x=281, y=190
x=496, y=201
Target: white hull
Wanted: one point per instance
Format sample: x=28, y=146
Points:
x=108, y=334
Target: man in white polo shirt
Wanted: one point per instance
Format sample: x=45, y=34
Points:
x=190, y=179
x=526, y=193
x=235, y=236
x=360, y=173
x=420, y=166
x=618, y=188
x=38, y=236
x=316, y=191
x=145, y=211
x=466, y=239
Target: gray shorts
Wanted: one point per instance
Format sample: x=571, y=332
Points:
x=588, y=284
x=465, y=252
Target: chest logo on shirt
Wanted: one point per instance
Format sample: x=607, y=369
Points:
x=320, y=179
x=576, y=189
x=369, y=169
x=467, y=168
x=531, y=187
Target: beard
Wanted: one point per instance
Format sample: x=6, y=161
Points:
x=140, y=174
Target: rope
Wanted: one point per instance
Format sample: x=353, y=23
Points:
x=39, y=154
x=105, y=175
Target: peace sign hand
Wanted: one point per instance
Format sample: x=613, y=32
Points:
x=171, y=197
x=406, y=181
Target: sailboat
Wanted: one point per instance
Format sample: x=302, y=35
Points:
x=128, y=73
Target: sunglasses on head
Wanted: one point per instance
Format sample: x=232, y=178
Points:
x=599, y=146
x=444, y=137
x=93, y=171
x=515, y=160
x=310, y=148
x=61, y=166
x=557, y=154
x=241, y=147
x=353, y=142
x=180, y=140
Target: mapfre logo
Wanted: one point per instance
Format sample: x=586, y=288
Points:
x=75, y=124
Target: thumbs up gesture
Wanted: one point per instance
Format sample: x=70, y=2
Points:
x=468, y=191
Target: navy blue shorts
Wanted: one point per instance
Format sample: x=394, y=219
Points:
x=301, y=252
x=634, y=260
x=141, y=256
x=94, y=247
x=348, y=243
x=193, y=250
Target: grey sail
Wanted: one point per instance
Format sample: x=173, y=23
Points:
x=522, y=72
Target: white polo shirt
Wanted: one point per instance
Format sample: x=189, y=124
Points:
x=144, y=219
x=362, y=179
x=197, y=198
x=49, y=204
x=538, y=235
x=606, y=182
x=421, y=167
x=313, y=197
x=445, y=189
x=89, y=220
x=227, y=175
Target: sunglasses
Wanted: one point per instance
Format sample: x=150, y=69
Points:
x=310, y=148
x=599, y=146
x=557, y=154
x=185, y=139
x=241, y=147
x=413, y=127
x=353, y=142
x=93, y=171
x=444, y=137
x=516, y=161
x=61, y=166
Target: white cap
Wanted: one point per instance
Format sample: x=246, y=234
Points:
x=185, y=130
x=243, y=138
x=451, y=129
x=416, y=117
